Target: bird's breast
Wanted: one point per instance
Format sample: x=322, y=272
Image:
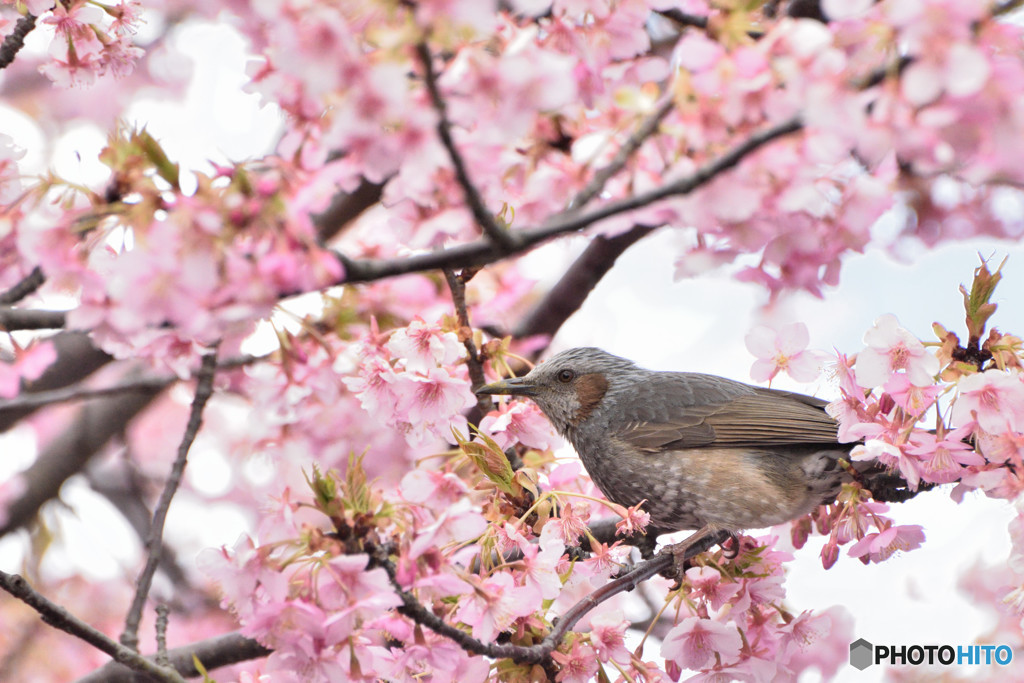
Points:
x=689, y=488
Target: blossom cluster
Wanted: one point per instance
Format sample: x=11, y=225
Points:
x=88, y=40
x=161, y=268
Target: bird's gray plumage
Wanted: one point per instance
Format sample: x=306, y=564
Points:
x=701, y=450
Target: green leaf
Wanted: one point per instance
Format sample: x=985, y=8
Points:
x=489, y=459
x=156, y=155
x=976, y=302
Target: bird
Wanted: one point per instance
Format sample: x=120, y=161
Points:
x=699, y=451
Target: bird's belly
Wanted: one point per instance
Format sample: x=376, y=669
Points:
x=688, y=489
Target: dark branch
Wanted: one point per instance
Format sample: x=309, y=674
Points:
x=77, y=358
x=569, y=293
x=346, y=207
x=482, y=251
x=68, y=453
x=27, y=319
x=79, y=393
x=38, y=399
x=60, y=618
x=457, y=285
x=204, y=389
x=501, y=237
x=29, y=284
x=539, y=653
x=230, y=648
x=16, y=40
x=647, y=128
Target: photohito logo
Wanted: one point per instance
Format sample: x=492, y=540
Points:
x=863, y=654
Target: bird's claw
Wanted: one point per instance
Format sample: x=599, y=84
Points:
x=695, y=544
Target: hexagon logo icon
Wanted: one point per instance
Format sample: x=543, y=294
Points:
x=861, y=654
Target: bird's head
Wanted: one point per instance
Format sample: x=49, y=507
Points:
x=569, y=386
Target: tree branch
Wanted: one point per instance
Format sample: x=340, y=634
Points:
x=647, y=128
x=497, y=234
x=77, y=358
x=569, y=293
x=80, y=393
x=539, y=653
x=457, y=285
x=16, y=40
x=204, y=389
x=38, y=399
x=94, y=425
x=60, y=618
x=346, y=207
x=230, y=648
x=29, y=284
x=28, y=319
x=482, y=251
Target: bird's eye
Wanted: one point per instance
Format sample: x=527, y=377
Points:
x=566, y=375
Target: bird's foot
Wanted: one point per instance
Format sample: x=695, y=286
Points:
x=693, y=545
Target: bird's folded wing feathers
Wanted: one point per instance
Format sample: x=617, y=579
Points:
x=760, y=418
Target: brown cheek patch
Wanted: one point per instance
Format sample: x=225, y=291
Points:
x=590, y=390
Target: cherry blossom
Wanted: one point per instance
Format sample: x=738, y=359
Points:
x=992, y=399
x=782, y=350
x=695, y=643
x=28, y=364
x=891, y=349
x=879, y=546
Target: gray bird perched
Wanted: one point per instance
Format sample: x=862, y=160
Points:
x=705, y=452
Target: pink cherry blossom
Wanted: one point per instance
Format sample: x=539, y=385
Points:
x=29, y=363
x=696, y=643
x=634, y=520
x=913, y=399
x=708, y=585
x=577, y=666
x=782, y=350
x=891, y=349
x=879, y=546
x=422, y=347
x=890, y=455
x=993, y=399
x=571, y=523
x=944, y=459
x=493, y=605
x=519, y=422
x=607, y=635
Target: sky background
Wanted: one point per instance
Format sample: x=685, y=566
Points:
x=637, y=311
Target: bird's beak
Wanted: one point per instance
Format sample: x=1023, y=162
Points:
x=518, y=386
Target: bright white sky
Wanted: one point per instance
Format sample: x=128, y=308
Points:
x=638, y=312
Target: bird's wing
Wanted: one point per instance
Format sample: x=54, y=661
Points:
x=709, y=411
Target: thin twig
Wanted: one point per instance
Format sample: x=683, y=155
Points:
x=484, y=218
x=697, y=21
x=28, y=319
x=60, y=618
x=28, y=285
x=647, y=128
x=204, y=389
x=15, y=40
x=457, y=285
x=161, y=635
x=483, y=251
x=78, y=392
x=345, y=207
